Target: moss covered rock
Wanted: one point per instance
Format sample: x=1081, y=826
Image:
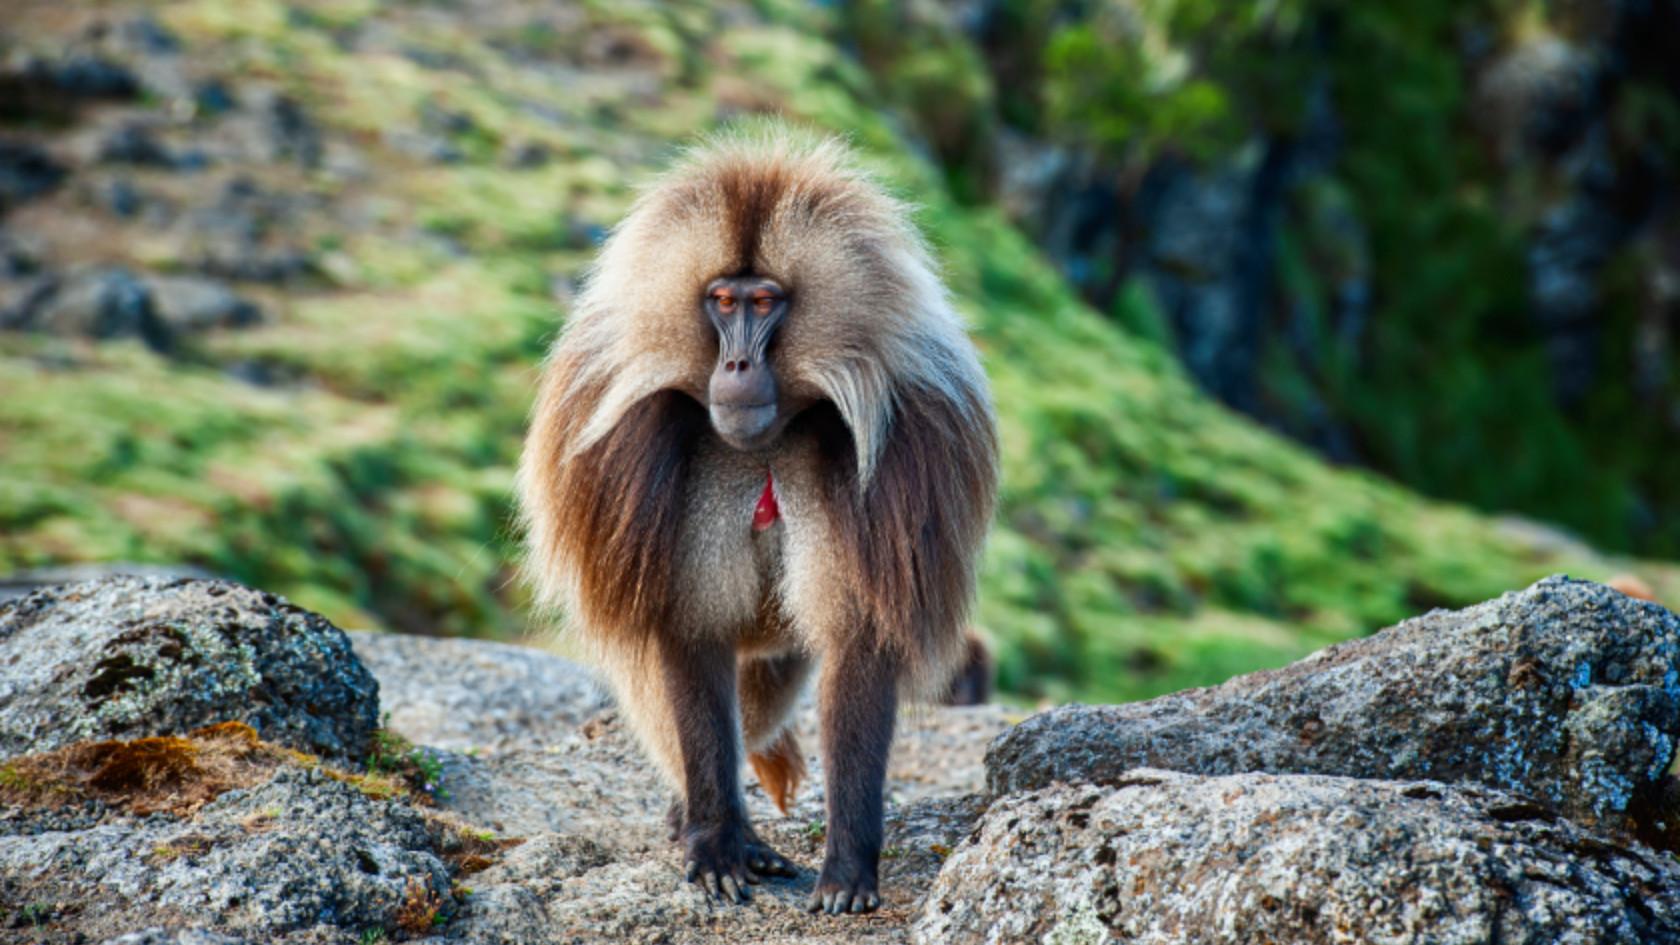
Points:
x=129, y=657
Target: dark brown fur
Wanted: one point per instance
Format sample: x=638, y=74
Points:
x=624, y=507
x=749, y=196
x=904, y=536
x=971, y=684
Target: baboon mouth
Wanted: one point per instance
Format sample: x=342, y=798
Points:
x=744, y=426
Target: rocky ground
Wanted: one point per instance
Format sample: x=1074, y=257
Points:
x=1499, y=774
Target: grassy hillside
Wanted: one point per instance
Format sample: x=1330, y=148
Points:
x=354, y=450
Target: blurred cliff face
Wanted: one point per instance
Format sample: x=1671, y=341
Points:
x=1440, y=239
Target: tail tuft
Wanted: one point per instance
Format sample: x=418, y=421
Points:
x=780, y=768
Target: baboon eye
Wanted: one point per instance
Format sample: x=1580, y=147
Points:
x=725, y=301
x=763, y=304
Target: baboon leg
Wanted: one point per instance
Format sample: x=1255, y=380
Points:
x=971, y=683
x=769, y=688
x=859, y=696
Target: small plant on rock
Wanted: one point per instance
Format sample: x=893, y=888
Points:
x=422, y=909
x=420, y=768
x=37, y=914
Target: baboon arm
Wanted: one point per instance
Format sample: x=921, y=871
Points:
x=699, y=688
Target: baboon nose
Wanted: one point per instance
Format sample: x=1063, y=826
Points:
x=741, y=383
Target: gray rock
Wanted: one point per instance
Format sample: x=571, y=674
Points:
x=193, y=303
x=132, y=656
x=422, y=146
x=26, y=172
x=51, y=91
x=98, y=303
x=133, y=142
x=527, y=154
x=579, y=889
x=596, y=864
x=19, y=583
x=18, y=257
x=242, y=234
x=533, y=753
x=19, y=299
x=445, y=121
x=299, y=852
x=162, y=936
x=463, y=695
x=289, y=132
x=119, y=196
x=548, y=755
x=1567, y=692
x=143, y=34
x=212, y=97
x=83, y=76
x=250, y=263
x=1162, y=858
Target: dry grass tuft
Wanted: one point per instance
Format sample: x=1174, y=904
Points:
x=473, y=863
x=465, y=848
x=167, y=774
x=179, y=774
x=421, y=909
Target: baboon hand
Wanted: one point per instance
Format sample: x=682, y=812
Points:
x=717, y=863
x=763, y=861
x=725, y=862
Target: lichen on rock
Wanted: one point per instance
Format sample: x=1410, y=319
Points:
x=1163, y=858
x=134, y=656
x=299, y=851
x=1566, y=692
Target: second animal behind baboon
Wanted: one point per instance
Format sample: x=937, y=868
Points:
x=764, y=449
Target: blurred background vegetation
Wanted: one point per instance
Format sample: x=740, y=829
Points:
x=1302, y=317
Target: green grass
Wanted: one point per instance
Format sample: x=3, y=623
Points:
x=1147, y=539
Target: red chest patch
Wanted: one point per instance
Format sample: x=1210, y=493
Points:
x=766, y=512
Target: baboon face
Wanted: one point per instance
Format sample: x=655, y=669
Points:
x=743, y=397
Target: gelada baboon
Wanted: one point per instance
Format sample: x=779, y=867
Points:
x=763, y=445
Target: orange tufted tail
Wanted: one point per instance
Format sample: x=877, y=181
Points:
x=780, y=767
